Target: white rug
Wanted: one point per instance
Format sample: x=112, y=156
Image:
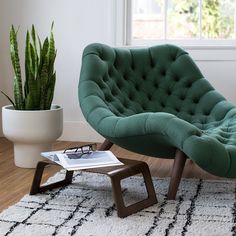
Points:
x=86, y=208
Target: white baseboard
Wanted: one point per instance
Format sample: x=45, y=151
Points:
x=1, y=133
x=80, y=131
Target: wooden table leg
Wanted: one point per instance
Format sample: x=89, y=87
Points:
x=116, y=178
x=37, y=188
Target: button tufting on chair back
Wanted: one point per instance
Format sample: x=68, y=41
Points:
x=154, y=100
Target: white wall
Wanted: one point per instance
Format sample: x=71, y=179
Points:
x=78, y=23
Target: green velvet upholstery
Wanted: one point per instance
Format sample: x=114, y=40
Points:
x=155, y=100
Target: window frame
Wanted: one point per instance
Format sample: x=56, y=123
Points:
x=124, y=33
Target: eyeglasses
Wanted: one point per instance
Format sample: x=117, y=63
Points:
x=78, y=152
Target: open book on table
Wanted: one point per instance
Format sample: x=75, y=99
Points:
x=79, y=161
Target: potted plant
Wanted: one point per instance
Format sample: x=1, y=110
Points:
x=32, y=123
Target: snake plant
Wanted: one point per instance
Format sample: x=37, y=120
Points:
x=40, y=77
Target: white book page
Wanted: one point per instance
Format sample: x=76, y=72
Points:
x=77, y=160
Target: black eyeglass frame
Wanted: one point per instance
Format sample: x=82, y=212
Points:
x=84, y=149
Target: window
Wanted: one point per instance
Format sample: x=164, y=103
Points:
x=188, y=22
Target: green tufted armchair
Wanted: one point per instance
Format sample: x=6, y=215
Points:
x=155, y=101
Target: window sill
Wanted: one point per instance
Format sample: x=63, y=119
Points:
x=220, y=53
x=190, y=44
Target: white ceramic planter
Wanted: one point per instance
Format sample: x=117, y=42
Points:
x=32, y=132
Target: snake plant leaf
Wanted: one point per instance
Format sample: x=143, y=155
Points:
x=40, y=44
x=14, y=52
x=45, y=49
x=27, y=62
x=33, y=35
x=44, y=57
x=18, y=93
x=50, y=91
x=19, y=102
x=43, y=53
x=40, y=54
x=33, y=61
x=36, y=58
x=43, y=82
x=52, y=25
x=11, y=101
x=13, y=47
x=52, y=53
x=33, y=97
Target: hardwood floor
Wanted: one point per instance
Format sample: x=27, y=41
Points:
x=15, y=182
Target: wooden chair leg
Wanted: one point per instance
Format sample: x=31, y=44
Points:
x=106, y=145
x=176, y=174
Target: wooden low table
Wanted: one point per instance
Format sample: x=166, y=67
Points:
x=116, y=173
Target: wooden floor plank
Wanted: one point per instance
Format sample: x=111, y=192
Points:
x=15, y=182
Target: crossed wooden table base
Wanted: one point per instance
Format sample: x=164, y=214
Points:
x=116, y=174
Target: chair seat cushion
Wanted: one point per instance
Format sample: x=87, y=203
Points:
x=159, y=135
